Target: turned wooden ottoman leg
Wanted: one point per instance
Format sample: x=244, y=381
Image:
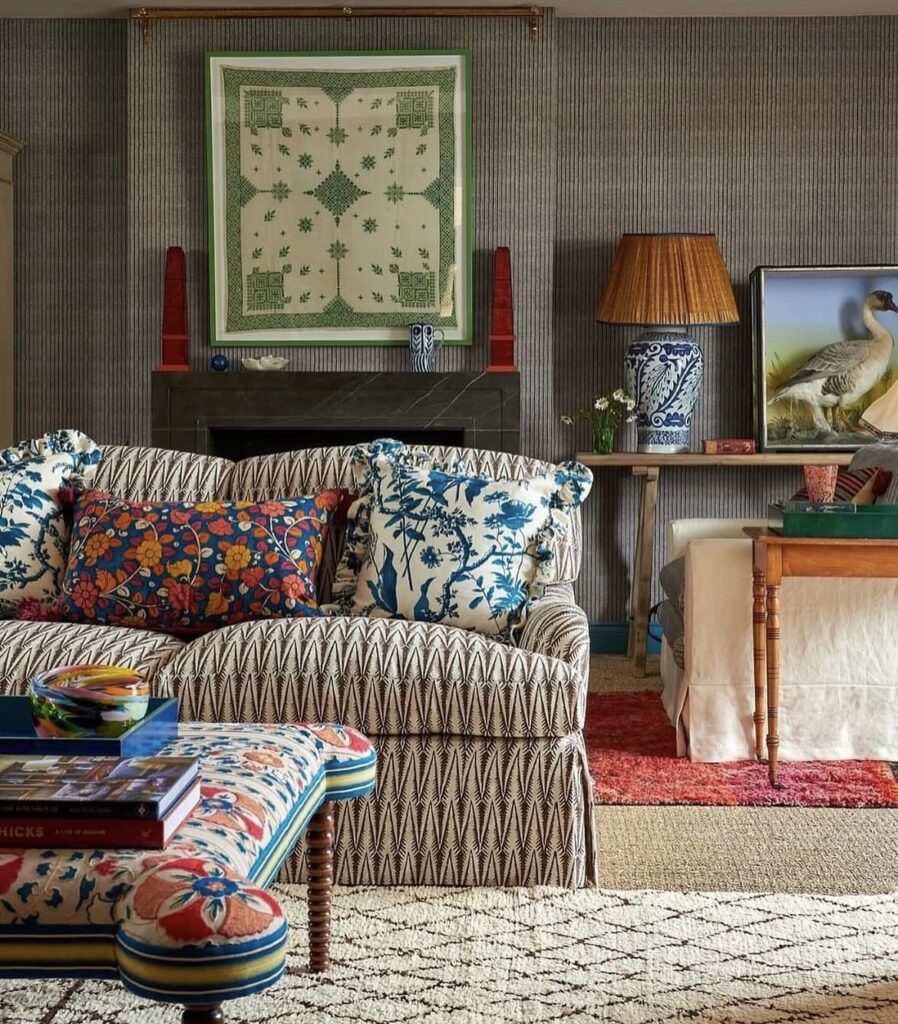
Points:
x=320, y=871
x=203, y=1015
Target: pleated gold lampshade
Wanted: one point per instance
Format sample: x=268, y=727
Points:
x=668, y=280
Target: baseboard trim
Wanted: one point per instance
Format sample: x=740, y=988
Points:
x=612, y=638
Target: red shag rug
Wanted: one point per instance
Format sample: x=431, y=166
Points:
x=633, y=760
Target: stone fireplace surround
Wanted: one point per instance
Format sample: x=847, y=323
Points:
x=240, y=414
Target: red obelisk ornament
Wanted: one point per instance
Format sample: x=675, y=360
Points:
x=174, y=312
x=502, y=328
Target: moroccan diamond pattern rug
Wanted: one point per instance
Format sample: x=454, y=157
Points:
x=460, y=956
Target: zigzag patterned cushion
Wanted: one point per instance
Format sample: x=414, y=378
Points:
x=384, y=676
x=162, y=474
x=30, y=647
x=34, y=536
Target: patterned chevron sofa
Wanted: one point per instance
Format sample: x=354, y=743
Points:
x=483, y=777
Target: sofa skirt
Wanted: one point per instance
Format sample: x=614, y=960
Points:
x=452, y=810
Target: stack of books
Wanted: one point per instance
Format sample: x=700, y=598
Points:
x=104, y=802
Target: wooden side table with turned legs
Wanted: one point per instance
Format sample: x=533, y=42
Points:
x=775, y=557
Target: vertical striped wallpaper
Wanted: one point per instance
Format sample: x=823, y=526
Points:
x=776, y=134
x=62, y=92
x=781, y=137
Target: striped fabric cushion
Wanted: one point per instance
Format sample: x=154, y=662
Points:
x=861, y=486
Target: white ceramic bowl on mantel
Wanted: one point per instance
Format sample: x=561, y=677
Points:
x=265, y=363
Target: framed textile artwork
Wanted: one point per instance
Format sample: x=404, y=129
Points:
x=339, y=196
x=826, y=370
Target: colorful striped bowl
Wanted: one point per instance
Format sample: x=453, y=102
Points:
x=87, y=700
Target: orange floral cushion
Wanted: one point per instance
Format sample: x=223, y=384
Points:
x=190, y=568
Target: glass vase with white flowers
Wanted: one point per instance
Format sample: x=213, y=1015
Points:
x=604, y=416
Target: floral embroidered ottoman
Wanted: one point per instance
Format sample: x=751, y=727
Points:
x=193, y=923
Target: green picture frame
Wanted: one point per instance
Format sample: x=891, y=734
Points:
x=339, y=196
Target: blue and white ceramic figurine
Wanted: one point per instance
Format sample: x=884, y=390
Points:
x=663, y=371
x=423, y=342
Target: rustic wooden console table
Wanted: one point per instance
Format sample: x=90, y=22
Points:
x=648, y=469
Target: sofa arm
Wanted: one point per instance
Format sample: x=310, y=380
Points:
x=557, y=627
x=681, y=532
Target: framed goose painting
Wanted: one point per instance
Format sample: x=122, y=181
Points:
x=826, y=365
x=339, y=196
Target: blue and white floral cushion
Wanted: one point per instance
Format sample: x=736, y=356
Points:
x=34, y=537
x=438, y=544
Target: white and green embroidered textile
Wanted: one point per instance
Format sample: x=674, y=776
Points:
x=338, y=196
x=34, y=536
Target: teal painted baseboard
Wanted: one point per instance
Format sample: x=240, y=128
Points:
x=611, y=638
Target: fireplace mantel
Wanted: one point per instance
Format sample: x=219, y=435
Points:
x=195, y=411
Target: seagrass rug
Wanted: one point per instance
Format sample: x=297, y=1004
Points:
x=632, y=753
x=509, y=956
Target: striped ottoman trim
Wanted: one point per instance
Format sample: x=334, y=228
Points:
x=48, y=951
x=208, y=974
x=336, y=781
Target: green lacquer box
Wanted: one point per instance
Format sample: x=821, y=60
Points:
x=837, y=520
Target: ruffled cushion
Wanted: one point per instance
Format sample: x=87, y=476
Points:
x=188, y=568
x=440, y=544
x=314, y=469
x=34, y=535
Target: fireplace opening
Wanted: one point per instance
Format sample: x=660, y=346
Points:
x=242, y=443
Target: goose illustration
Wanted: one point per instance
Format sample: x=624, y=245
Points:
x=841, y=373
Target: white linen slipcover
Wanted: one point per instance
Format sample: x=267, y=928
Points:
x=839, y=673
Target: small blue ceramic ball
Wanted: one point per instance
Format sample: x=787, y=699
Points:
x=220, y=362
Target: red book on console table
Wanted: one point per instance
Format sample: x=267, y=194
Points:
x=102, y=833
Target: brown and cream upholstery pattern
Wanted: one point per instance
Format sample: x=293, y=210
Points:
x=456, y=811
x=157, y=474
x=483, y=776
x=29, y=647
x=556, y=627
x=386, y=677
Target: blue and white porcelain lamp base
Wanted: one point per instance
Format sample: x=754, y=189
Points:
x=663, y=373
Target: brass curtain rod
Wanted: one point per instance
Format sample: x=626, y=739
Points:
x=144, y=15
